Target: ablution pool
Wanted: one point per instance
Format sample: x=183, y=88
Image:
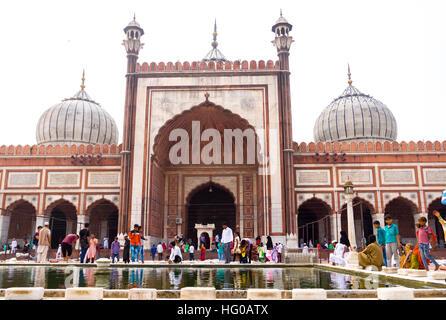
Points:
x=54, y=277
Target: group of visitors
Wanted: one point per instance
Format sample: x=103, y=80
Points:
x=229, y=246
x=386, y=249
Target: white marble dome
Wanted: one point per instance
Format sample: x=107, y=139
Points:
x=355, y=116
x=77, y=120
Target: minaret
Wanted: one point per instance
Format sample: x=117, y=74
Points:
x=132, y=45
x=282, y=42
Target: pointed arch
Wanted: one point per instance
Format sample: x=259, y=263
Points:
x=209, y=115
x=313, y=221
x=57, y=202
x=207, y=185
x=362, y=215
x=22, y=217
x=209, y=206
x=103, y=215
x=402, y=211
x=10, y=208
x=63, y=220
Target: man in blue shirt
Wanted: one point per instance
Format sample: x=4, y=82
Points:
x=381, y=239
x=392, y=237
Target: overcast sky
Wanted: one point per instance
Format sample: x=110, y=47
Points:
x=396, y=50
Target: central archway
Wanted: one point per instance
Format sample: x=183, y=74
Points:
x=209, y=203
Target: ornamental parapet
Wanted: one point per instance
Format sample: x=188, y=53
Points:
x=211, y=66
x=60, y=150
x=370, y=147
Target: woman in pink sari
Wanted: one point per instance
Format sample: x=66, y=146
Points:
x=91, y=252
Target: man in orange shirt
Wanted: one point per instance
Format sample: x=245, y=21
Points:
x=135, y=241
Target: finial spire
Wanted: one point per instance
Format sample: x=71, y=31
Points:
x=134, y=16
x=214, y=35
x=280, y=11
x=83, y=80
x=349, y=76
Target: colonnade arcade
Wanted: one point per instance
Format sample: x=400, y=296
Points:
x=20, y=220
x=317, y=221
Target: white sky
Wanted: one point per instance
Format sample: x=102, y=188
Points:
x=396, y=50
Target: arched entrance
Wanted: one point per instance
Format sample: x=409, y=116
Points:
x=362, y=215
x=63, y=220
x=314, y=221
x=209, y=203
x=103, y=219
x=22, y=215
x=402, y=212
x=433, y=221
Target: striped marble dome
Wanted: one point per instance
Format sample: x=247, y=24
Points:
x=355, y=116
x=77, y=120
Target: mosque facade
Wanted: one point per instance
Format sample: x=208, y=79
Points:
x=210, y=142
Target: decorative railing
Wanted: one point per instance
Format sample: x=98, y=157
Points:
x=208, y=66
x=60, y=150
x=370, y=147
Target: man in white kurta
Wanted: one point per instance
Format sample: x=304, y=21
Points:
x=226, y=238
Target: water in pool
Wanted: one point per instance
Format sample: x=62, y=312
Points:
x=176, y=278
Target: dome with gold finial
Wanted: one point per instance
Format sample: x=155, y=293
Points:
x=355, y=116
x=76, y=120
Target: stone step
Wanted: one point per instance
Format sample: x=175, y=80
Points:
x=198, y=293
x=264, y=294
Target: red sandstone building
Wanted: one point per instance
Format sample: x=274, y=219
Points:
x=77, y=172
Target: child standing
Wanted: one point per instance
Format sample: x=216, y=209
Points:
x=115, y=246
x=126, y=253
x=153, y=251
x=426, y=236
x=261, y=252
x=243, y=246
x=220, y=251
x=191, y=252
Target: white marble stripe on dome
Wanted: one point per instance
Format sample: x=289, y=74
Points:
x=57, y=121
x=45, y=125
x=112, y=132
x=106, y=129
x=362, y=115
x=83, y=120
x=73, y=132
x=90, y=124
x=64, y=106
x=370, y=116
x=344, y=119
x=99, y=124
x=95, y=126
x=50, y=122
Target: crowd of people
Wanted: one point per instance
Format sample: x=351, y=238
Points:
x=386, y=248
x=229, y=246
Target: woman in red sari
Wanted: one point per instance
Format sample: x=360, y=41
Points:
x=203, y=251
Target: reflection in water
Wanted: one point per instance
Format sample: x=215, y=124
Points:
x=136, y=277
x=176, y=278
x=39, y=277
x=340, y=281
